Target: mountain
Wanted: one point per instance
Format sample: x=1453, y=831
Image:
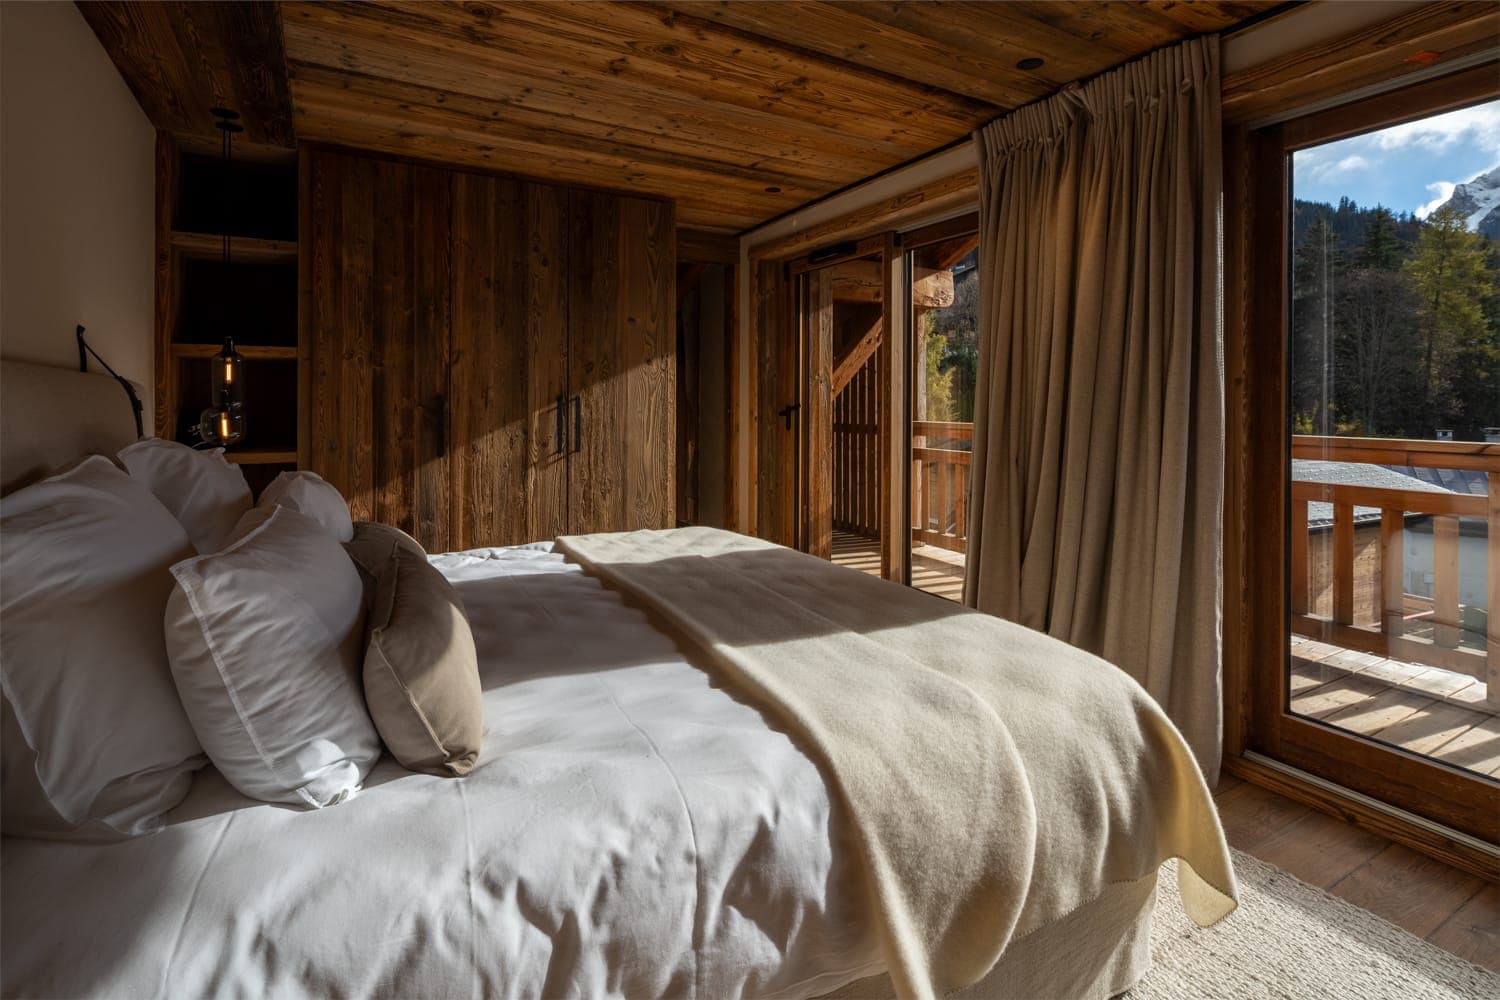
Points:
x=1479, y=201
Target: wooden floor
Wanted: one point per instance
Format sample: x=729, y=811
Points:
x=1423, y=709
x=1454, y=910
x=934, y=570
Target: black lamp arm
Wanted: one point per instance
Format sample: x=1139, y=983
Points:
x=84, y=350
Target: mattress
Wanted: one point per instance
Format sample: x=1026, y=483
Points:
x=634, y=828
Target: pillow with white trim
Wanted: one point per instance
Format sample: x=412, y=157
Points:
x=310, y=494
x=205, y=492
x=96, y=742
x=265, y=640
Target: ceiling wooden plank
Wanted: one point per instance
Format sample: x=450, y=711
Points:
x=840, y=32
x=180, y=59
x=525, y=94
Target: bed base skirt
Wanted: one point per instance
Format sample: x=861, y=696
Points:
x=1100, y=950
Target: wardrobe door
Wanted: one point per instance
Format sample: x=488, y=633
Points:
x=622, y=370
x=375, y=326
x=509, y=372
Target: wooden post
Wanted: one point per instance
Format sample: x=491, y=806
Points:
x=1392, y=585
x=1299, y=557
x=1492, y=593
x=1445, y=630
x=1342, y=563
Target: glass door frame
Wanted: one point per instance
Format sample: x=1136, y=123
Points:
x=1417, y=784
x=908, y=242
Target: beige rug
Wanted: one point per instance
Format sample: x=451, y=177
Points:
x=1292, y=940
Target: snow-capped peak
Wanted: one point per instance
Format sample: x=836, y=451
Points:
x=1479, y=201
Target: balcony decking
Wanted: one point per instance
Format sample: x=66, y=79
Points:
x=940, y=572
x=1423, y=709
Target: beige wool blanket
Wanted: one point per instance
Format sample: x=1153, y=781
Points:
x=995, y=778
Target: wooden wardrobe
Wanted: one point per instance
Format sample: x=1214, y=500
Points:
x=488, y=360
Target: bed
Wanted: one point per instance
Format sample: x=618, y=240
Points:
x=642, y=824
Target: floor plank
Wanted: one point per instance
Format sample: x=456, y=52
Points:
x=1409, y=889
x=1473, y=932
x=1451, y=909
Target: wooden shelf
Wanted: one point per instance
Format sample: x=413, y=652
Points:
x=261, y=457
x=247, y=351
x=242, y=247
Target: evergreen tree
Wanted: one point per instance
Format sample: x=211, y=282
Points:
x=1452, y=278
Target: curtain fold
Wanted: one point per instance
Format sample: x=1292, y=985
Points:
x=1099, y=405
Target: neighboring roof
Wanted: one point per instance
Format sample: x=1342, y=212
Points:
x=1320, y=514
x=1470, y=481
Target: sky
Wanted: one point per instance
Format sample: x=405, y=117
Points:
x=1407, y=168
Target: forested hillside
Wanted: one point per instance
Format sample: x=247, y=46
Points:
x=1395, y=326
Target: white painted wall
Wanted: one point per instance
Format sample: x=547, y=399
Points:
x=77, y=196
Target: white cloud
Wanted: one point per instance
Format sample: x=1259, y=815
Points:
x=1443, y=191
x=1478, y=126
x=1323, y=170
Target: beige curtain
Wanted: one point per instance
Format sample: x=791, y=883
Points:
x=1099, y=425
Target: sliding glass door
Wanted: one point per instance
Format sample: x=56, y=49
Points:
x=1390, y=683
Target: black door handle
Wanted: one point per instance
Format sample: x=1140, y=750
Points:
x=786, y=413
x=578, y=422
x=440, y=404
x=560, y=444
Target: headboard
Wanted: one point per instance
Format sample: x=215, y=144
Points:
x=50, y=416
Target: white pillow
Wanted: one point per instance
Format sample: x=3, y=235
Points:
x=98, y=742
x=265, y=640
x=310, y=494
x=207, y=494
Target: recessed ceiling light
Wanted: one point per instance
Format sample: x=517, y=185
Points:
x=1029, y=63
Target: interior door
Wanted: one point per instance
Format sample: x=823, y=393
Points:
x=622, y=364
x=376, y=330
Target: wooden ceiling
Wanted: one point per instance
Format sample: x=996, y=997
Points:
x=738, y=110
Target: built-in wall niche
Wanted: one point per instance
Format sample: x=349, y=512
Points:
x=256, y=198
x=270, y=403
x=252, y=297
x=253, y=301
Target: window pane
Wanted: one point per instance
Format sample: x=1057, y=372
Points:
x=1395, y=336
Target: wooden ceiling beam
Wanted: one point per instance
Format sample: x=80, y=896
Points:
x=180, y=59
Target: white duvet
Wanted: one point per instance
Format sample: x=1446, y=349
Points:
x=632, y=830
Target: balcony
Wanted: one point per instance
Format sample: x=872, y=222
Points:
x=1393, y=571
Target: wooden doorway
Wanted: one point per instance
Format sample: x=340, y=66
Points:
x=843, y=322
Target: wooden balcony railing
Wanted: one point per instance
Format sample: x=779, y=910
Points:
x=1427, y=628
x=940, y=483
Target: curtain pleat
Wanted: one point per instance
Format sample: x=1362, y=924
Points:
x=1098, y=441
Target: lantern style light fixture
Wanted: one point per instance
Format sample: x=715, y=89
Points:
x=223, y=423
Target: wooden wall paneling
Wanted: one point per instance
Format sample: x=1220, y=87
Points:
x=392, y=345
x=548, y=356
x=689, y=326
x=487, y=380
x=648, y=344
x=431, y=357
x=732, y=398
x=597, y=401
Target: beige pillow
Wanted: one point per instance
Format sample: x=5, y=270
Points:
x=421, y=669
x=371, y=549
